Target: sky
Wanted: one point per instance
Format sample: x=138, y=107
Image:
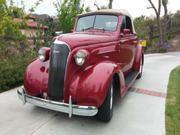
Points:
x=134, y=7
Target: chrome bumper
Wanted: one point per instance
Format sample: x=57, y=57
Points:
x=68, y=108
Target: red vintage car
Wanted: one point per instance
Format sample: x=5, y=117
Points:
x=81, y=72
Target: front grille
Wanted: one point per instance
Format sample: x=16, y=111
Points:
x=57, y=69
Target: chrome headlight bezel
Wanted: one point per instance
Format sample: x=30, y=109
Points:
x=43, y=54
x=80, y=57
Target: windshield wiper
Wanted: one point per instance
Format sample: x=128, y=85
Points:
x=87, y=28
x=100, y=29
x=93, y=28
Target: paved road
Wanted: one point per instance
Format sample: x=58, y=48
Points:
x=140, y=112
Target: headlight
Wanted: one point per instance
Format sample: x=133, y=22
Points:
x=43, y=54
x=80, y=57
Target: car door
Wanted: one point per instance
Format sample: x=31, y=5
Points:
x=128, y=41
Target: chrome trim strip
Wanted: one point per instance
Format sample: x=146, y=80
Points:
x=62, y=42
x=68, y=108
x=59, y=42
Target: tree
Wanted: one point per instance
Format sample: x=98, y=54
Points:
x=101, y=7
x=3, y=8
x=96, y=5
x=17, y=12
x=139, y=24
x=162, y=26
x=34, y=7
x=166, y=17
x=10, y=34
x=13, y=56
x=158, y=17
x=110, y=4
x=8, y=28
x=67, y=11
x=164, y=3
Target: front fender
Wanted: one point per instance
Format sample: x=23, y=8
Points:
x=36, y=78
x=89, y=86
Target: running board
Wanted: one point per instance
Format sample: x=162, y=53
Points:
x=130, y=77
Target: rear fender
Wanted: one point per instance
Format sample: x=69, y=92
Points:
x=89, y=86
x=138, y=57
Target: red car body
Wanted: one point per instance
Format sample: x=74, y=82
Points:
x=111, y=55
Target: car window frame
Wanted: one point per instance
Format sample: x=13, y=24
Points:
x=95, y=20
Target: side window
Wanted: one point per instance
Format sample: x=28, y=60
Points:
x=126, y=24
x=129, y=24
x=123, y=24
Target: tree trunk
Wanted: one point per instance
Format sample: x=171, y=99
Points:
x=166, y=19
x=161, y=40
x=110, y=4
x=158, y=16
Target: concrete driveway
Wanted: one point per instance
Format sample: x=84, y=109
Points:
x=140, y=112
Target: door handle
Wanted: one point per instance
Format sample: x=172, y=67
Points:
x=122, y=41
x=135, y=42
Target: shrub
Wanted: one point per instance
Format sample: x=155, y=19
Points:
x=12, y=69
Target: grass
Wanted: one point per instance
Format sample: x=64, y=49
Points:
x=173, y=103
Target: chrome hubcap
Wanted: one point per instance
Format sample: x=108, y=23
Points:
x=111, y=98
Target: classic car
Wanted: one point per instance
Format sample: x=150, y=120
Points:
x=83, y=71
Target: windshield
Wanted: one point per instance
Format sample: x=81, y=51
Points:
x=103, y=22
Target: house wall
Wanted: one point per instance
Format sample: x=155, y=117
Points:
x=29, y=32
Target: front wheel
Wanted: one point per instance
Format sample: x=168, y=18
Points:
x=141, y=68
x=105, y=112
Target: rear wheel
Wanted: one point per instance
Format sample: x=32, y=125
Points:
x=105, y=112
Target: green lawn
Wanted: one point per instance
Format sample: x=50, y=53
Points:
x=173, y=103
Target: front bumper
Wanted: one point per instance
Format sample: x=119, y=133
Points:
x=68, y=108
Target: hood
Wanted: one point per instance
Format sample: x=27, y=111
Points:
x=81, y=39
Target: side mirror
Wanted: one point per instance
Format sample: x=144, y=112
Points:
x=126, y=31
